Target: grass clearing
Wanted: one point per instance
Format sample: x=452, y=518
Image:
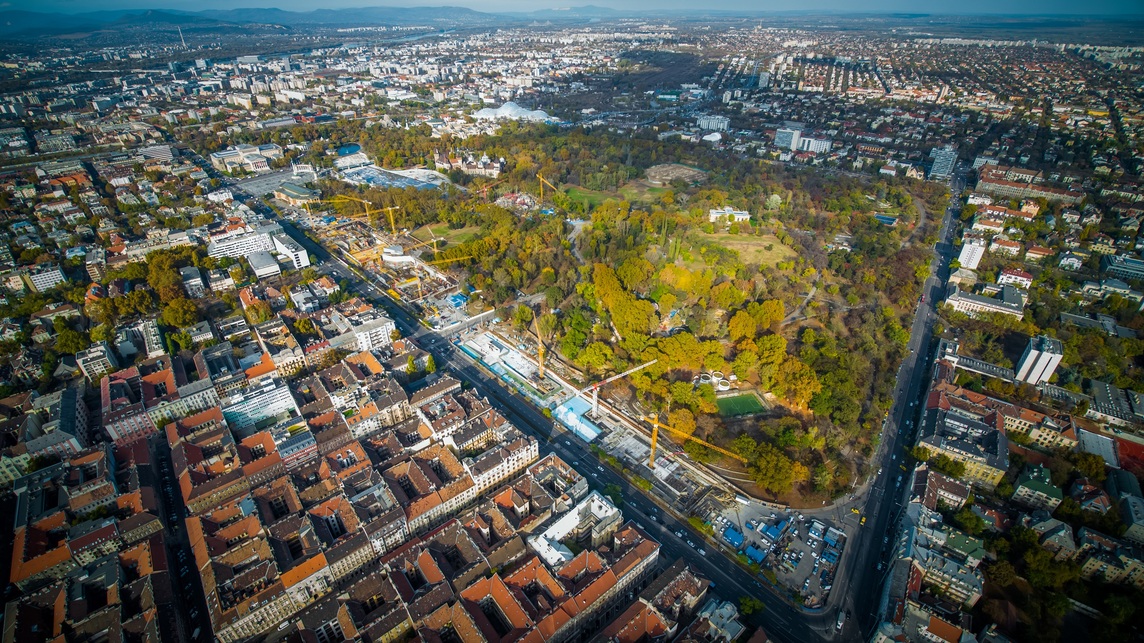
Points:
x=443, y=231
x=639, y=192
x=736, y=405
x=593, y=197
x=765, y=249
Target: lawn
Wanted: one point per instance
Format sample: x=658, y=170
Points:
x=765, y=249
x=443, y=231
x=640, y=192
x=736, y=405
x=593, y=197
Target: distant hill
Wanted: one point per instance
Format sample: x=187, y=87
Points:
x=32, y=23
x=352, y=17
x=29, y=23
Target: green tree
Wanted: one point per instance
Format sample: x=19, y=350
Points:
x=1002, y=573
x=595, y=356
x=522, y=316
x=1091, y=466
x=771, y=469
x=71, y=341
x=305, y=326
x=430, y=364
x=180, y=313
x=968, y=521
x=258, y=312
x=749, y=605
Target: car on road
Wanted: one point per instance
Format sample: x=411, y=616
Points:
x=854, y=510
x=691, y=544
x=863, y=521
x=567, y=443
x=703, y=553
x=599, y=468
x=679, y=534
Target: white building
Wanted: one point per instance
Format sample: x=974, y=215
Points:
x=286, y=246
x=372, y=329
x=595, y=509
x=787, y=139
x=714, y=123
x=266, y=399
x=972, y=250
x=1018, y=278
x=96, y=360
x=944, y=160
x=44, y=277
x=727, y=213
x=249, y=157
x=1041, y=358
x=1010, y=302
x=240, y=245
x=816, y=145
x=263, y=264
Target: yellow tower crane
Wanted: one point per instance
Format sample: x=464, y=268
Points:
x=420, y=288
x=369, y=209
x=544, y=182
x=539, y=347
x=656, y=426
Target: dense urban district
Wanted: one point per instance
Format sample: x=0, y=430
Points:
x=428, y=325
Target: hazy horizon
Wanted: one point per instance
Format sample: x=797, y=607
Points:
x=1094, y=8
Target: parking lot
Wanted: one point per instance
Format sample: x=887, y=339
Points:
x=802, y=551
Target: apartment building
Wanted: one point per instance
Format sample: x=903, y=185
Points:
x=1009, y=302
x=268, y=399
x=1035, y=489
x=983, y=448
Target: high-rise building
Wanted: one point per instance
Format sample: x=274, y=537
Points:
x=787, y=139
x=944, y=159
x=972, y=250
x=714, y=123
x=1041, y=358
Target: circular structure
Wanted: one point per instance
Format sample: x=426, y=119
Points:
x=705, y=378
x=716, y=375
x=724, y=385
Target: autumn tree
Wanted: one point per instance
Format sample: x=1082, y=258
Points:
x=180, y=313
x=681, y=421
x=741, y=326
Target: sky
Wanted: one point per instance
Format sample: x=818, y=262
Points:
x=960, y=7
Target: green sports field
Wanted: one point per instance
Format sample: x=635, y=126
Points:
x=745, y=404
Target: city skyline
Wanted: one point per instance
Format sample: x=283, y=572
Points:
x=835, y=7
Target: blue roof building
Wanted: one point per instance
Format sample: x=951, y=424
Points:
x=775, y=531
x=755, y=555
x=734, y=537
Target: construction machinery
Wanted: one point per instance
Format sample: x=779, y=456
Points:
x=369, y=209
x=484, y=191
x=595, y=388
x=544, y=182
x=444, y=261
x=540, y=348
x=656, y=425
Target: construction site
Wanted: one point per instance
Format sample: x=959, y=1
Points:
x=393, y=261
x=637, y=439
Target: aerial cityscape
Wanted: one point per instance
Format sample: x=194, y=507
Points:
x=506, y=322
